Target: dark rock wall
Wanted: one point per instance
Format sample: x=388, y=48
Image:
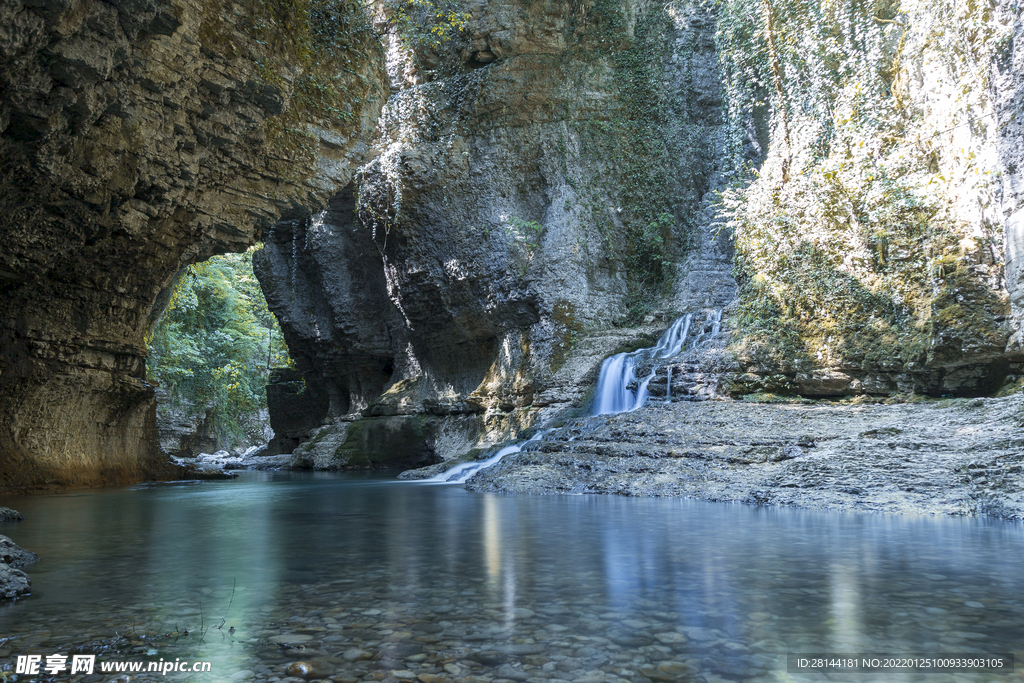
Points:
x=322, y=276
x=135, y=137
x=295, y=409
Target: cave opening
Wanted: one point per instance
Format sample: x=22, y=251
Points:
x=211, y=356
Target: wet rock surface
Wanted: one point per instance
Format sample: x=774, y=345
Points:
x=9, y=515
x=14, y=555
x=949, y=457
x=14, y=582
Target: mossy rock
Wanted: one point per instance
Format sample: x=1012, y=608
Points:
x=396, y=441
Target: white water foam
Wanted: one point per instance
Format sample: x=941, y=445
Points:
x=460, y=474
x=619, y=371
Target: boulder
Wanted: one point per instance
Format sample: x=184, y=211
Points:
x=14, y=555
x=9, y=515
x=14, y=583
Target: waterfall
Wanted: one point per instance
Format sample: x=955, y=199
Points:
x=716, y=322
x=613, y=393
x=619, y=371
x=461, y=473
x=671, y=343
x=668, y=386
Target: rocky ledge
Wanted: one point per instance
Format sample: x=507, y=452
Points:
x=950, y=457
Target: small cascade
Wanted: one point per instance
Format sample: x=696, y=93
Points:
x=668, y=386
x=671, y=343
x=614, y=395
x=460, y=474
x=619, y=372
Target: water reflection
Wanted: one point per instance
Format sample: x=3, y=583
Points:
x=611, y=588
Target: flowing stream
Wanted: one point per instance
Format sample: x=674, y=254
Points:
x=368, y=578
x=461, y=473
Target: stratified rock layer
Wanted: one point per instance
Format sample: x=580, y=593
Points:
x=949, y=457
x=136, y=137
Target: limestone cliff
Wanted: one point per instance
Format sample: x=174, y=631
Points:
x=541, y=183
x=540, y=179
x=553, y=173
x=138, y=136
x=1008, y=105
x=870, y=245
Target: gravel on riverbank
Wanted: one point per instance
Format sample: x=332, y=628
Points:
x=949, y=457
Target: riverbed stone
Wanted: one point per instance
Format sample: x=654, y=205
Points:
x=9, y=515
x=14, y=555
x=489, y=657
x=13, y=582
x=291, y=638
x=355, y=654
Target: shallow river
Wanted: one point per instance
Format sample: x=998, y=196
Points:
x=369, y=579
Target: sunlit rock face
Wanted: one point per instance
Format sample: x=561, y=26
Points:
x=1008, y=89
x=531, y=170
x=871, y=246
x=538, y=177
x=136, y=137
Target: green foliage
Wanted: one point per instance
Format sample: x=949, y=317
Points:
x=646, y=255
x=527, y=233
x=426, y=23
x=215, y=344
x=852, y=244
x=649, y=156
